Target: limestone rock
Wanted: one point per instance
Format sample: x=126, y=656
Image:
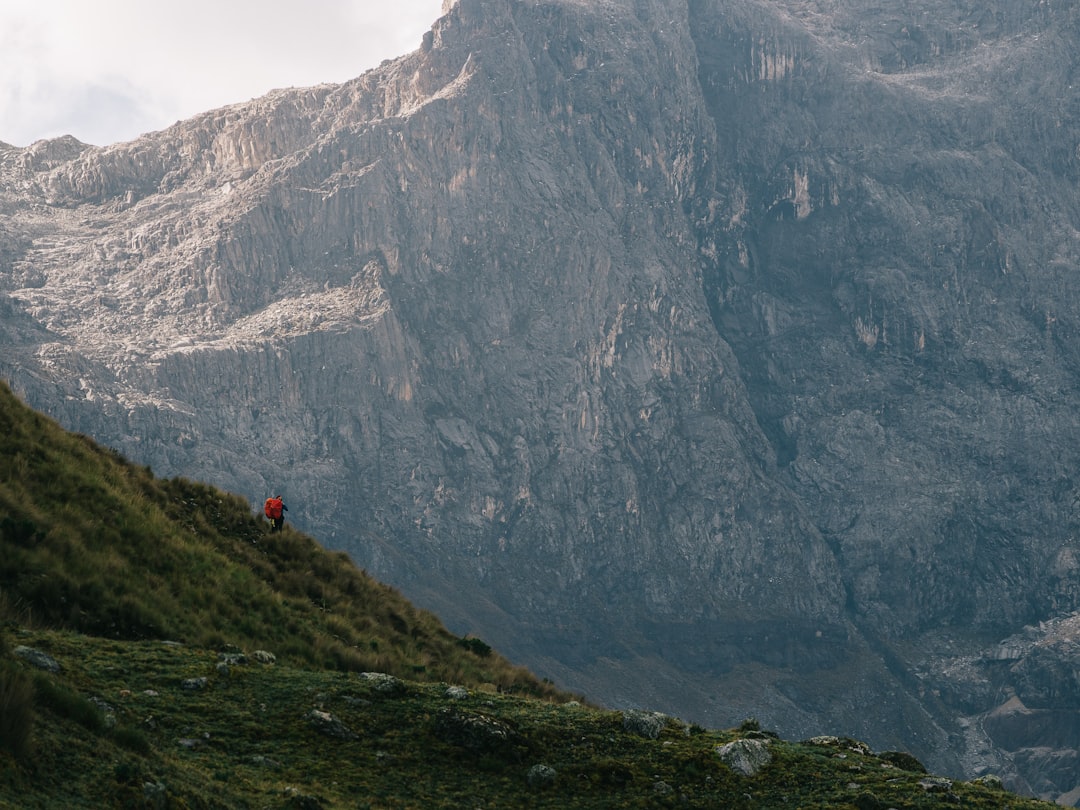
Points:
x=39, y=659
x=935, y=784
x=541, y=776
x=326, y=723
x=476, y=732
x=384, y=684
x=745, y=757
x=644, y=724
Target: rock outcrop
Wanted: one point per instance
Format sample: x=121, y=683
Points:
x=720, y=358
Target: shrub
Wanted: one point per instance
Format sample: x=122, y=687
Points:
x=20, y=532
x=133, y=739
x=475, y=646
x=68, y=704
x=127, y=772
x=16, y=710
x=903, y=761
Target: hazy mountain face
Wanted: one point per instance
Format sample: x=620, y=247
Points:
x=719, y=358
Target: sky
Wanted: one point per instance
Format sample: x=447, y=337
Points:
x=108, y=71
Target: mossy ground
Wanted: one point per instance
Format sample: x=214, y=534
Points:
x=116, y=727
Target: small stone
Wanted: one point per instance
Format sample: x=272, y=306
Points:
x=541, y=775
x=38, y=658
x=992, y=781
x=108, y=713
x=477, y=732
x=745, y=757
x=383, y=683
x=823, y=739
x=265, y=762
x=155, y=794
x=329, y=725
x=102, y=704
x=644, y=724
x=935, y=784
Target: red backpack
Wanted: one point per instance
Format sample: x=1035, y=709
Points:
x=273, y=508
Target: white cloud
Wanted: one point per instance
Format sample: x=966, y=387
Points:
x=109, y=70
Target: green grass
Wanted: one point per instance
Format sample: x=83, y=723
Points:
x=153, y=597
x=246, y=740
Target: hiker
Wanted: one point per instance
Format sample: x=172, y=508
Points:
x=275, y=510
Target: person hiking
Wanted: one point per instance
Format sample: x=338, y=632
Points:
x=275, y=510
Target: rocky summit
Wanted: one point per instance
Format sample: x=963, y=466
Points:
x=715, y=358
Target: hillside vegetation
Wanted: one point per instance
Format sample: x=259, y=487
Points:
x=160, y=649
x=99, y=546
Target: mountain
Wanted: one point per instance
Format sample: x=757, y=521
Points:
x=717, y=358
x=134, y=671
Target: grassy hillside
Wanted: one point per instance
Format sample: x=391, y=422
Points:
x=160, y=649
x=94, y=544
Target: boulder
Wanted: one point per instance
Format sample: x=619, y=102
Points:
x=745, y=757
x=39, y=659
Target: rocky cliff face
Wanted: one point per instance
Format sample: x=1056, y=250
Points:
x=717, y=358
